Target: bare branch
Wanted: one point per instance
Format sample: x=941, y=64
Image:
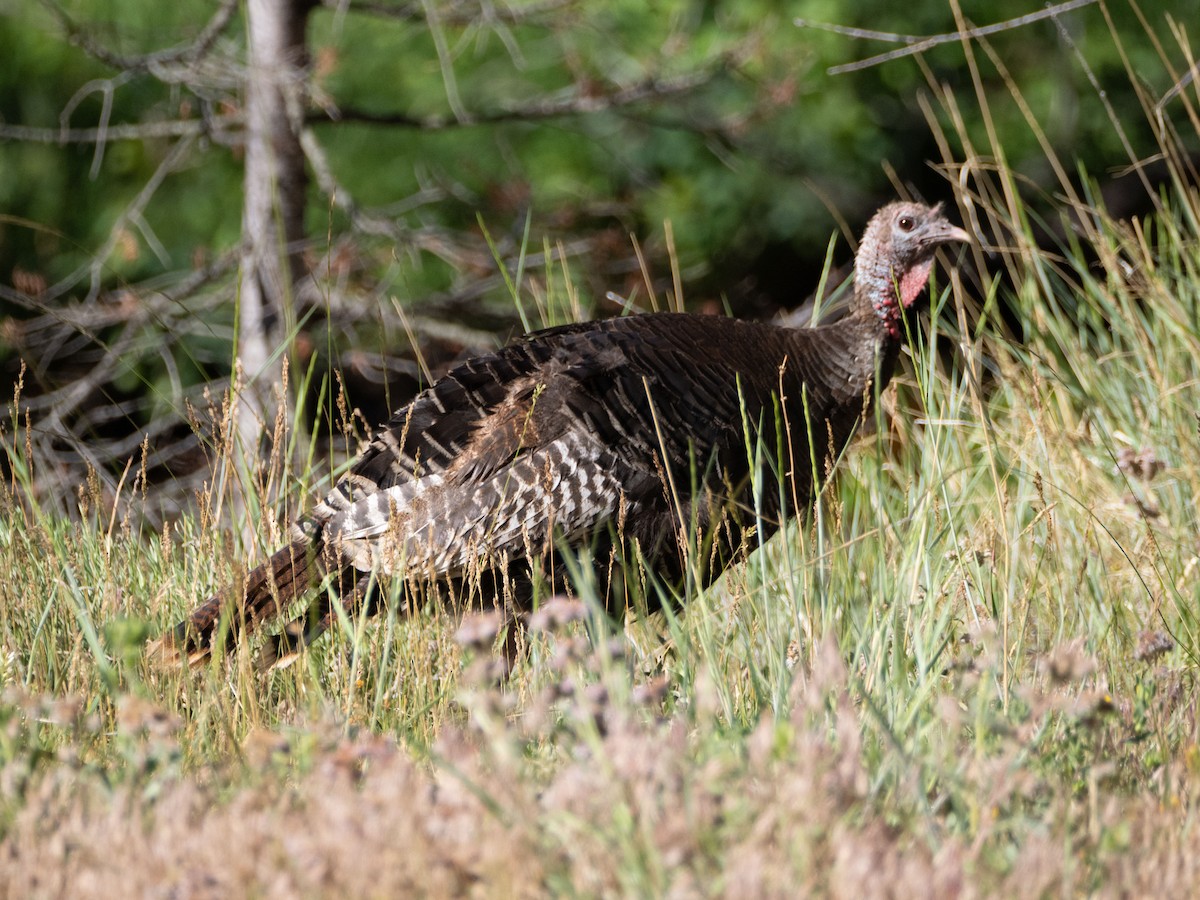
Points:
x=921, y=44
x=459, y=14
x=184, y=53
x=432, y=240
x=64, y=401
x=445, y=63
x=570, y=103
x=131, y=132
x=222, y=128
x=107, y=87
x=436, y=241
x=171, y=301
x=95, y=266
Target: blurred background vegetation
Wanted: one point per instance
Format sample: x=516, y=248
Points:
x=450, y=138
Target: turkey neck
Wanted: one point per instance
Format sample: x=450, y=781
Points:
x=873, y=330
x=857, y=355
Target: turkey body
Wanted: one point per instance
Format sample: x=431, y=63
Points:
x=652, y=432
x=651, y=418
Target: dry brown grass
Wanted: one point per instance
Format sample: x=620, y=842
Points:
x=613, y=800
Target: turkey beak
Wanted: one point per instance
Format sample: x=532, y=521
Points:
x=948, y=233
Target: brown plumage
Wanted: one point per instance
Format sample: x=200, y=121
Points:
x=630, y=431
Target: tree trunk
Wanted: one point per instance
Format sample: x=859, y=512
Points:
x=273, y=210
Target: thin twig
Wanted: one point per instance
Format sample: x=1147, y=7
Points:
x=921, y=44
x=445, y=63
x=1102, y=96
x=95, y=266
x=131, y=132
x=437, y=241
x=107, y=87
x=460, y=14
x=184, y=53
x=570, y=103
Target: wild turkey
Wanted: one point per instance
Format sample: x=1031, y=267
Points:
x=626, y=432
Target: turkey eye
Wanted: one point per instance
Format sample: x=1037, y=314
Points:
x=906, y=223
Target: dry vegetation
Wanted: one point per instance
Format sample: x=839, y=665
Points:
x=972, y=672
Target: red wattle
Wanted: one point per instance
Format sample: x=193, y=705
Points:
x=913, y=282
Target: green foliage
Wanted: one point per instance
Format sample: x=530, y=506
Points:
x=742, y=153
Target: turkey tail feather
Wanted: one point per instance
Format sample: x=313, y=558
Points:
x=266, y=592
x=346, y=592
